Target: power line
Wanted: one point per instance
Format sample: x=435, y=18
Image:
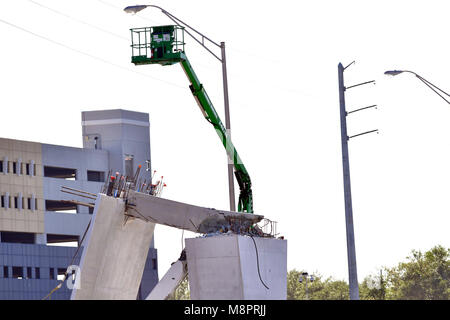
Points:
x=151, y=20
x=78, y=20
x=94, y=26
x=125, y=39
x=88, y=54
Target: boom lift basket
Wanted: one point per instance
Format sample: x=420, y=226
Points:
x=162, y=45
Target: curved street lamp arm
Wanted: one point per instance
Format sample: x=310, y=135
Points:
x=430, y=85
x=425, y=81
x=185, y=25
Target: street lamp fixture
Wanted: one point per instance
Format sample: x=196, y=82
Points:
x=135, y=9
x=304, y=276
x=393, y=72
x=433, y=87
x=200, y=39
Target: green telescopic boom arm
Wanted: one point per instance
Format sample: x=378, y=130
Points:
x=245, y=203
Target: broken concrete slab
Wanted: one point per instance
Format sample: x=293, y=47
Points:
x=185, y=216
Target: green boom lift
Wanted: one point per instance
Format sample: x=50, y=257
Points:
x=164, y=45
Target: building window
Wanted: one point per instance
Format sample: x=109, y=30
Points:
x=129, y=165
x=14, y=167
x=1, y=165
x=155, y=264
x=17, y=237
x=52, y=273
x=60, y=206
x=60, y=173
x=91, y=210
x=38, y=273
x=63, y=240
x=17, y=272
x=16, y=202
x=29, y=273
x=2, y=201
x=5, y=272
x=29, y=203
x=27, y=169
x=61, y=274
x=98, y=176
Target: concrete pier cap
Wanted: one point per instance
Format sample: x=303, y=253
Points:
x=237, y=267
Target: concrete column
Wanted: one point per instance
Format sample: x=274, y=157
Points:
x=32, y=168
x=111, y=250
x=20, y=201
x=7, y=200
x=236, y=267
x=33, y=202
x=19, y=167
x=5, y=165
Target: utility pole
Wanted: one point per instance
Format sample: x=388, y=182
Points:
x=351, y=255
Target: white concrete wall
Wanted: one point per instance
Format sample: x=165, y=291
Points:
x=114, y=257
x=224, y=267
x=272, y=257
x=214, y=268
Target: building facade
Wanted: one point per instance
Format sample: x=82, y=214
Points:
x=39, y=231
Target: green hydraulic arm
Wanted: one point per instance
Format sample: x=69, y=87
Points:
x=162, y=45
x=245, y=203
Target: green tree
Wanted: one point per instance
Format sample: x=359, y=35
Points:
x=293, y=287
x=373, y=287
x=422, y=277
x=318, y=289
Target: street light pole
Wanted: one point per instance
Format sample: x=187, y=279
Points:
x=135, y=9
x=304, y=276
x=351, y=254
x=228, y=127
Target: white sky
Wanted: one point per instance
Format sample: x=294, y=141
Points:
x=282, y=65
